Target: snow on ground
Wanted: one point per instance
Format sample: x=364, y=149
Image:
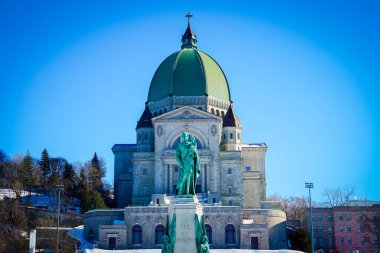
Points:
x=77, y=233
x=212, y=251
x=88, y=247
x=41, y=200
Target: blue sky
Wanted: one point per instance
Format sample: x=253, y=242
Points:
x=304, y=77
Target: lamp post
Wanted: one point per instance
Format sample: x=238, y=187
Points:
x=309, y=186
x=59, y=188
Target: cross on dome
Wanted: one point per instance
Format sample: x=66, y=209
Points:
x=189, y=16
x=188, y=38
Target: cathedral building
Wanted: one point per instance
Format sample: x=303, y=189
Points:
x=189, y=92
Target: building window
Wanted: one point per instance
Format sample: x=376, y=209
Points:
x=330, y=218
x=320, y=230
x=330, y=229
x=313, y=218
x=340, y=216
x=229, y=190
x=224, y=136
x=230, y=202
x=349, y=240
x=209, y=233
x=320, y=218
x=349, y=228
x=136, y=234
x=230, y=234
x=159, y=233
x=160, y=112
x=231, y=135
x=342, y=240
x=361, y=229
x=331, y=241
x=238, y=136
x=348, y=216
x=362, y=240
x=248, y=168
x=229, y=171
x=341, y=228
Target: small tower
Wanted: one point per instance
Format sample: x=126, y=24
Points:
x=189, y=39
x=145, y=132
x=231, y=131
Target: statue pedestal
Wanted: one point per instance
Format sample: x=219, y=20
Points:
x=185, y=209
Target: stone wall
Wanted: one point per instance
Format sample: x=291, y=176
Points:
x=94, y=218
x=117, y=231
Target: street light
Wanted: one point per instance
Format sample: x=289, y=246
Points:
x=309, y=186
x=59, y=188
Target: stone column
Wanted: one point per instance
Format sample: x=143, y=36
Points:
x=203, y=178
x=166, y=167
x=171, y=179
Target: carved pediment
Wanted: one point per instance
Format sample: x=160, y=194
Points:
x=186, y=113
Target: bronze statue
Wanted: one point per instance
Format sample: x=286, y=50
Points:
x=188, y=160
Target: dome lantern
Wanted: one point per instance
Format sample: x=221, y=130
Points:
x=189, y=39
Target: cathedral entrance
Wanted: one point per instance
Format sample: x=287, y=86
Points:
x=112, y=243
x=254, y=242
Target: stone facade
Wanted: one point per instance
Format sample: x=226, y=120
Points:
x=231, y=185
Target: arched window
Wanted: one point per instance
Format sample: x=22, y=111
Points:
x=217, y=113
x=91, y=235
x=175, y=144
x=230, y=234
x=136, y=234
x=160, y=112
x=209, y=233
x=212, y=111
x=159, y=233
x=223, y=114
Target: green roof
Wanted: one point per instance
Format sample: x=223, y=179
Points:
x=189, y=72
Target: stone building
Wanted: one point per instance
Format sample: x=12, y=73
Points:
x=189, y=92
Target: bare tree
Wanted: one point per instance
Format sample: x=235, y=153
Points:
x=338, y=196
x=294, y=207
x=13, y=174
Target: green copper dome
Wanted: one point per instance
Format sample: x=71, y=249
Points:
x=189, y=72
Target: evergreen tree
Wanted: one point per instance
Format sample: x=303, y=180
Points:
x=97, y=201
x=53, y=179
x=45, y=166
x=29, y=172
x=4, y=159
x=84, y=192
x=96, y=172
x=68, y=178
